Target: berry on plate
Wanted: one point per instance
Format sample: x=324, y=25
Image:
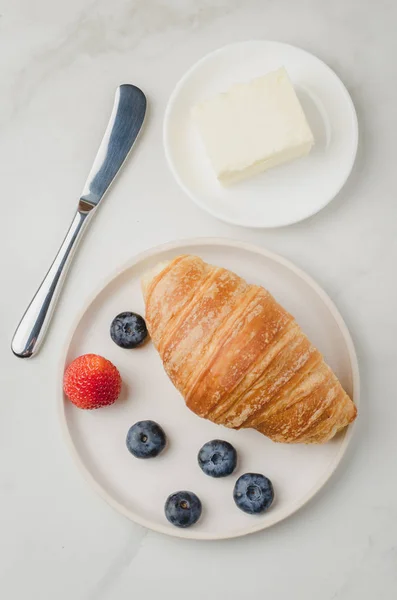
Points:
x=91, y=381
x=253, y=493
x=217, y=458
x=128, y=330
x=183, y=509
x=146, y=439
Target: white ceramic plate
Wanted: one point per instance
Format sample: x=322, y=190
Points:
x=288, y=193
x=138, y=488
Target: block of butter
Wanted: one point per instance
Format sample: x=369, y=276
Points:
x=253, y=126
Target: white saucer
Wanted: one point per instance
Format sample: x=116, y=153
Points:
x=138, y=488
x=283, y=195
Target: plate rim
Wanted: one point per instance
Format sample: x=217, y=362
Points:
x=129, y=264
x=209, y=209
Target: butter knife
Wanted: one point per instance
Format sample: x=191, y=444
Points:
x=124, y=126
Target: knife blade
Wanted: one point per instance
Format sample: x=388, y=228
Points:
x=124, y=126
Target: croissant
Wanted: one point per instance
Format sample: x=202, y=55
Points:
x=238, y=358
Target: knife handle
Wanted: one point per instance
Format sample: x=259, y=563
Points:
x=34, y=323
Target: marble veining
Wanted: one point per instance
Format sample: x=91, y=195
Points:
x=104, y=27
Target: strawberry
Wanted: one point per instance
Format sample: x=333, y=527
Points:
x=91, y=381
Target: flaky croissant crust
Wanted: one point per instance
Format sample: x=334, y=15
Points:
x=239, y=358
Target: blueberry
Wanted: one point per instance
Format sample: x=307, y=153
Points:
x=145, y=439
x=128, y=330
x=183, y=509
x=217, y=458
x=253, y=493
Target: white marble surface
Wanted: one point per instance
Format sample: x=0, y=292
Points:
x=60, y=63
